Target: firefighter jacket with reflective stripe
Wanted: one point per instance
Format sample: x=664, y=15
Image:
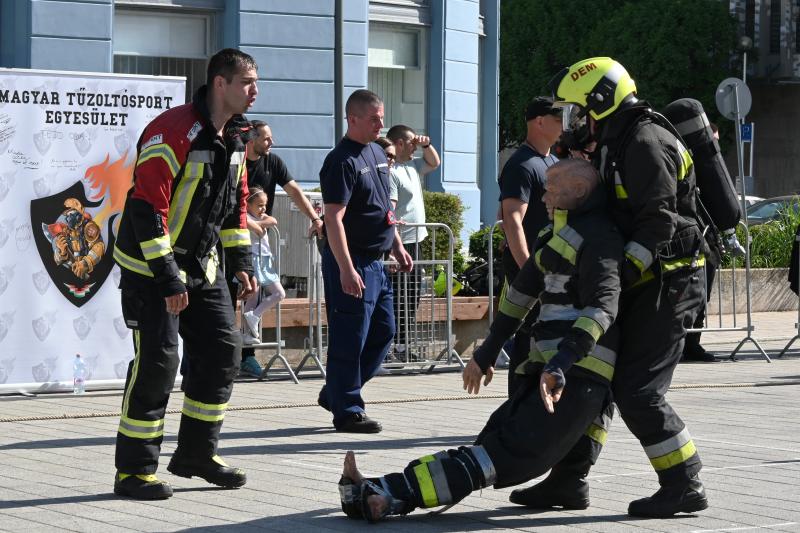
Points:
x=188, y=196
x=574, y=271
x=650, y=180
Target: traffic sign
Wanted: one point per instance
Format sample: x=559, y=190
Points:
x=726, y=98
x=747, y=132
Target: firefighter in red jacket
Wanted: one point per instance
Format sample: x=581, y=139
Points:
x=187, y=205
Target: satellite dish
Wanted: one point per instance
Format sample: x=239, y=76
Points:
x=726, y=98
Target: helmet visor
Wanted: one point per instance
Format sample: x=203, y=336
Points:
x=572, y=117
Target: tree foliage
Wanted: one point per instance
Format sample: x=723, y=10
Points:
x=672, y=49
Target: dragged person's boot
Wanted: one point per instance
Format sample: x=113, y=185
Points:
x=561, y=488
x=212, y=469
x=669, y=500
x=141, y=487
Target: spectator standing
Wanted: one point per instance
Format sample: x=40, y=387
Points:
x=407, y=201
x=266, y=170
x=388, y=150
x=360, y=229
x=523, y=213
x=270, y=289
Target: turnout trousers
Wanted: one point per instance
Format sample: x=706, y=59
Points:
x=653, y=320
x=520, y=441
x=213, y=345
x=360, y=331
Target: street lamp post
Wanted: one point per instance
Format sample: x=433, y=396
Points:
x=745, y=44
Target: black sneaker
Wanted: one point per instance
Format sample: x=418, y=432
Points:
x=556, y=490
x=359, y=423
x=214, y=470
x=671, y=500
x=141, y=487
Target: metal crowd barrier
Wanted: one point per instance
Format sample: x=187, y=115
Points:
x=313, y=341
x=423, y=326
x=722, y=325
x=796, y=324
x=423, y=319
x=278, y=344
x=733, y=323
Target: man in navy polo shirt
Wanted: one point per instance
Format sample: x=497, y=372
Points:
x=360, y=231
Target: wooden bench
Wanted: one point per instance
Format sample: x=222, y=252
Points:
x=294, y=311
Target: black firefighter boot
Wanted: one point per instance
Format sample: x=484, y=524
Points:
x=686, y=497
x=565, y=488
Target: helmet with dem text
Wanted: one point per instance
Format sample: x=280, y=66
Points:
x=598, y=85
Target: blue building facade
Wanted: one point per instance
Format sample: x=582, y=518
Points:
x=435, y=63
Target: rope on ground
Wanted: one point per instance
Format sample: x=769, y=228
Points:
x=415, y=399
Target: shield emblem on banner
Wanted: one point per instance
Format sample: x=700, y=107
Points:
x=71, y=243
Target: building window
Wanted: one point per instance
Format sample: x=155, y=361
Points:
x=775, y=27
x=797, y=26
x=159, y=43
x=397, y=72
x=750, y=19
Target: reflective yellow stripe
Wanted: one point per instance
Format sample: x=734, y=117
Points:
x=141, y=429
x=619, y=188
x=686, y=162
x=589, y=326
x=544, y=230
x=211, y=267
x=240, y=173
x=164, y=152
x=675, y=264
x=234, y=237
x=597, y=433
x=564, y=250
x=507, y=307
x=674, y=458
x=640, y=255
x=134, y=372
x=635, y=260
x=155, y=248
x=207, y=412
x=131, y=263
x=590, y=362
x=598, y=366
x=423, y=475
x=538, y=258
x=182, y=198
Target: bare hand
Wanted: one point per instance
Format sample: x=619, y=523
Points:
x=550, y=395
x=421, y=140
x=177, y=302
x=80, y=268
x=352, y=284
x=472, y=377
x=403, y=258
x=248, y=285
x=315, y=228
x=268, y=222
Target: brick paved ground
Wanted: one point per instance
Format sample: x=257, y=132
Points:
x=57, y=473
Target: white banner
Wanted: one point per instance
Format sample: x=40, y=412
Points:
x=67, y=151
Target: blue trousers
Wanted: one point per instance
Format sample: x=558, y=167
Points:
x=360, y=331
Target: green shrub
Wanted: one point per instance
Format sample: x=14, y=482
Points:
x=770, y=243
x=444, y=208
x=478, y=242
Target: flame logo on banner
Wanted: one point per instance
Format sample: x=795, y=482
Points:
x=111, y=183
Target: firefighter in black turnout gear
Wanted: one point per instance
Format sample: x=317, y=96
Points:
x=187, y=203
x=650, y=181
x=574, y=271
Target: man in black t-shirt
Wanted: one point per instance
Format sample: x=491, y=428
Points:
x=522, y=211
x=359, y=224
x=266, y=170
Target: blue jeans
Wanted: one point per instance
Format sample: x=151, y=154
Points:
x=360, y=331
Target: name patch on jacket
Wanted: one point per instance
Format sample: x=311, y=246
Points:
x=196, y=127
x=155, y=139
